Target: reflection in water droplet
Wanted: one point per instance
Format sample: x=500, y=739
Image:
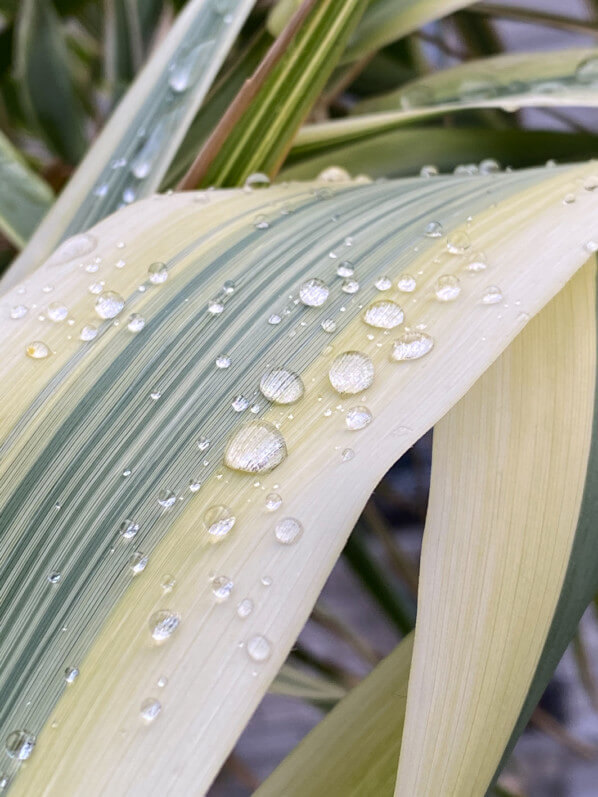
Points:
x=215, y=307
x=288, y=530
x=433, y=230
x=383, y=283
x=222, y=361
x=256, y=447
x=109, y=304
x=458, y=242
x=18, y=311
x=222, y=588
x=157, y=273
x=138, y=562
x=244, y=608
x=166, y=498
x=163, y=624
x=329, y=325
x=37, y=350
x=257, y=180
x=313, y=292
x=351, y=372
x=20, y=744
x=88, y=332
x=128, y=529
x=384, y=315
x=281, y=386
x=345, y=269
x=411, y=346
x=273, y=502
x=218, y=521
x=71, y=674
x=150, y=709
x=492, y=295
x=447, y=288
x=259, y=648
x=350, y=286
x=57, y=312
x=358, y=418
x=136, y=323
x=406, y=283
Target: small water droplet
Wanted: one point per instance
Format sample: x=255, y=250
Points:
x=20, y=744
x=162, y=681
x=150, y=709
x=109, y=304
x=71, y=674
x=433, y=229
x=281, y=386
x=351, y=372
x=447, y=288
x=334, y=174
x=155, y=395
x=37, y=350
x=329, y=325
x=261, y=222
x=259, y=648
x=489, y=166
x=256, y=447
x=288, y=530
x=88, y=332
x=128, y=529
x=345, y=269
x=313, y=292
x=492, y=295
x=218, y=521
x=222, y=587
x=203, y=443
x=477, y=262
x=383, y=283
x=266, y=581
x=136, y=323
x=274, y=319
x=240, y=403
x=347, y=454
x=18, y=311
x=384, y=315
x=138, y=562
x=458, y=242
x=157, y=273
x=166, y=498
x=350, y=286
x=358, y=418
x=72, y=248
x=215, y=307
x=222, y=361
x=257, y=180
x=411, y=346
x=57, y=312
x=273, y=502
x=163, y=624
x=244, y=608
x=54, y=577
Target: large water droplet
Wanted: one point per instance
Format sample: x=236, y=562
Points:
x=157, y=273
x=109, y=304
x=412, y=346
x=256, y=447
x=37, y=350
x=288, y=530
x=281, y=386
x=358, y=418
x=351, y=372
x=163, y=624
x=313, y=292
x=222, y=587
x=384, y=315
x=259, y=648
x=20, y=744
x=218, y=521
x=447, y=288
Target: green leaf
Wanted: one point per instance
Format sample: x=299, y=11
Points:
x=45, y=82
x=293, y=682
x=24, y=196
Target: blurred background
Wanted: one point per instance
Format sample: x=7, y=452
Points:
x=369, y=601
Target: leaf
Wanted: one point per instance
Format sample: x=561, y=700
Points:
x=509, y=82
x=44, y=80
x=256, y=132
x=293, y=682
x=24, y=196
x=76, y=422
x=133, y=152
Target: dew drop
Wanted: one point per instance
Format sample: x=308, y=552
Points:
x=350, y=286
x=166, y=498
x=266, y=581
x=163, y=624
x=71, y=674
x=259, y=648
x=492, y=295
x=288, y=530
x=345, y=269
x=458, y=242
x=351, y=372
x=150, y=709
x=447, y=288
x=406, y=283
x=88, y=332
x=489, y=166
x=157, y=273
x=37, y=350
x=347, y=454
x=274, y=319
x=433, y=229
x=20, y=744
x=313, y=292
x=244, y=608
x=215, y=307
x=138, y=562
x=218, y=521
x=329, y=325
x=54, y=577
x=257, y=447
x=57, y=312
x=261, y=222
x=384, y=315
x=411, y=346
x=334, y=174
x=223, y=361
x=128, y=529
x=257, y=180
x=240, y=403
x=136, y=323
x=109, y=304
x=477, y=262
x=18, y=311
x=222, y=587
x=74, y=247
x=273, y=502
x=428, y=171
x=358, y=418
x=203, y=443
x=281, y=386
x=162, y=681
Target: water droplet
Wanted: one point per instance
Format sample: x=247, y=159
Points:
x=358, y=418
x=256, y=447
x=350, y=286
x=489, y=166
x=74, y=247
x=222, y=588
x=18, y=311
x=223, y=361
x=48, y=288
x=329, y=325
x=261, y=222
x=345, y=269
x=274, y=319
x=203, y=443
x=259, y=648
x=109, y=304
x=334, y=174
x=266, y=581
x=347, y=454
x=37, y=350
x=244, y=608
x=281, y=386
x=150, y=709
x=194, y=485
x=136, y=323
x=163, y=624
x=458, y=242
x=313, y=292
x=591, y=246
x=229, y=287
x=155, y=395
x=166, y=498
x=162, y=681
x=88, y=332
x=71, y=674
x=383, y=284
x=447, y=288
x=138, y=562
x=288, y=530
x=240, y=403
x=411, y=346
x=351, y=372
x=215, y=307
x=384, y=315
x=128, y=529
x=54, y=577
x=273, y=502
x=257, y=180
x=167, y=583
x=587, y=71
x=157, y=273
x=20, y=744
x=477, y=262
x=4, y=781
x=96, y=287
x=477, y=88
x=218, y=521
x=492, y=295
x=433, y=230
